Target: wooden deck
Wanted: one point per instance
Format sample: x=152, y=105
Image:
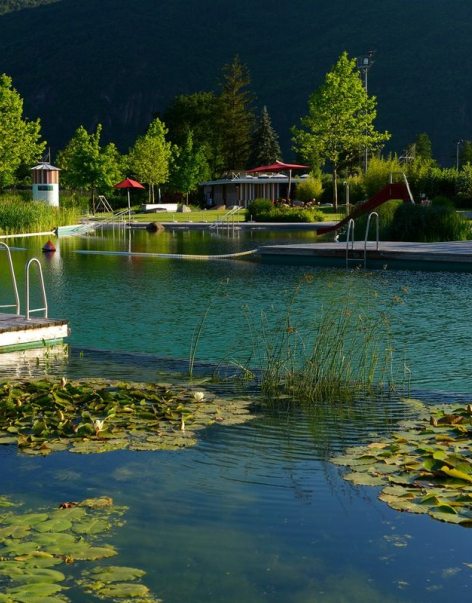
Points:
x=17, y=333
x=448, y=256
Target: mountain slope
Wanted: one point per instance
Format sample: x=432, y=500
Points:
x=121, y=61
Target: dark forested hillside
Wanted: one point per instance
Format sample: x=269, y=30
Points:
x=121, y=61
x=7, y=6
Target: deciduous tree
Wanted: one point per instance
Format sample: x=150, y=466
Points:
x=190, y=167
x=87, y=165
x=340, y=121
x=20, y=143
x=150, y=157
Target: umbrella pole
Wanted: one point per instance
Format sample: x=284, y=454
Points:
x=129, y=209
x=289, y=185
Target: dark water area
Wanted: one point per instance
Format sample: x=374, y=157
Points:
x=254, y=512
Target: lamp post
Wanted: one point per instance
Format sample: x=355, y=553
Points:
x=364, y=63
x=346, y=185
x=458, y=144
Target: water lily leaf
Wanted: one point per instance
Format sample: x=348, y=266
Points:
x=364, y=479
x=26, y=593
x=123, y=590
x=60, y=524
x=456, y=473
x=114, y=573
x=38, y=575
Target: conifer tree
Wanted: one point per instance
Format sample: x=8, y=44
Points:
x=265, y=142
x=235, y=116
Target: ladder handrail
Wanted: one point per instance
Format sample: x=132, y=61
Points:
x=13, y=280
x=43, y=289
x=351, y=225
x=367, y=228
x=225, y=218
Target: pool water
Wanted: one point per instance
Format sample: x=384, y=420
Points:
x=254, y=512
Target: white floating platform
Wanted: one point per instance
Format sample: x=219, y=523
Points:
x=17, y=333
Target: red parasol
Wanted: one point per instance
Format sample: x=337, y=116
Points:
x=128, y=183
x=280, y=166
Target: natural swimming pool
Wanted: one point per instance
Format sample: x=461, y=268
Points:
x=254, y=512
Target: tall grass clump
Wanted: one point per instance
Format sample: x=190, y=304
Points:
x=18, y=216
x=344, y=352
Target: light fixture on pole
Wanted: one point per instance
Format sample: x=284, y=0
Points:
x=364, y=63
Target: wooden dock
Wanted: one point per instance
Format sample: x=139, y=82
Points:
x=17, y=333
x=448, y=256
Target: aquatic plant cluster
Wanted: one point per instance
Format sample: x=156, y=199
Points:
x=17, y=216
x=345, y=352
x=41, y=550
x=426, y=468
x=95, y=416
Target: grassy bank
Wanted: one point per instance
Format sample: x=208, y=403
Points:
x=18, y=216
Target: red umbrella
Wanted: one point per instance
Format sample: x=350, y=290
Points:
x=280, y=166
x=128, y=184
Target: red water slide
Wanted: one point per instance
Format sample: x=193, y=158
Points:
x=396, y=190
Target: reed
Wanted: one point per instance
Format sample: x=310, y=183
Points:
x=18, y=216
x=346, y=351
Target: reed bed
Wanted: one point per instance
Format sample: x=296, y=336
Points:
x=18, y=216
x=344, y=352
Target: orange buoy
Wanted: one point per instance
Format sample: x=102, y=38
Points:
x=49, y=246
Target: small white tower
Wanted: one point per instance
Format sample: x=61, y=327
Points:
x=46, y=183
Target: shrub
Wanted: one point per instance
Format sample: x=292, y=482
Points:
x=428, y=224
x=310, y=188
x=262, y=210
x=378, y=174
x=387, y=212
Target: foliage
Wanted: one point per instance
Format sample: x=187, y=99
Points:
x=387, y=215
x=465, y=155
x=149, y=159
x=19, y=138
x=88, y=166
x=38, y=549
x=378, y=173
x=11, y=5
x=422, y=148
x=196, y=113
x=340, y=121
x=427, y=224
x=19, y=216
x=431, y=180
x=426, y=468
x=263, y=210
x=308, y=189
x=95, y=416
x=189, y=167
x=265, y=142
x=464, y=185
x=344, y=353
x=235, y=117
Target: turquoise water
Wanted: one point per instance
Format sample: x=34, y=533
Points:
x=255, y=512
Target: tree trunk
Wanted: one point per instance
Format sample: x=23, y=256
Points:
x=335, y=187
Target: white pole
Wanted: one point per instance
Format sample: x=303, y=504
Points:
x=129, y=209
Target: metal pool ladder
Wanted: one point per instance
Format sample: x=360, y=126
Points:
x=16, y=305
x=31, y=262
x=350, y=238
